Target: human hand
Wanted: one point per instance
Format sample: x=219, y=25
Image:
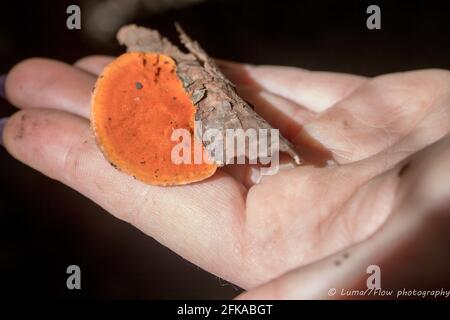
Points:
x=376, y=130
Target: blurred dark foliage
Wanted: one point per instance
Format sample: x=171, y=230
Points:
x=45, y=226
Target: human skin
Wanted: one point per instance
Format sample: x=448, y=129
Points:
x=384, y=199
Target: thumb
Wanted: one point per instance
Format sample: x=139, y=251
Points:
x=410, y=249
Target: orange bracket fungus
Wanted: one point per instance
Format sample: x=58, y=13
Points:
x=154, y=89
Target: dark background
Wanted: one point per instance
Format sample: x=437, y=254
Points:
x=45, y=226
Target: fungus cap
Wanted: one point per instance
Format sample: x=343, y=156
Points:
x=137, y=103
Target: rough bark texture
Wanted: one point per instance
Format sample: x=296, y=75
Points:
x=218, y=105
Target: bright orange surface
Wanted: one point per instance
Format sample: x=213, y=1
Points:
x=137, y=102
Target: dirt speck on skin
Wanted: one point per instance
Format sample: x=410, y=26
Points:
x=404, y=168
x=21, y=129
x=337, y=263
x=346, y=255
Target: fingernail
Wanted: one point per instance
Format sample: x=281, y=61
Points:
x=2, y=86
x=2, y=126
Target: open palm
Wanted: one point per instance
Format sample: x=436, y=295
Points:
x=355, y=134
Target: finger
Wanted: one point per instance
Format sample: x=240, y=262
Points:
x=37, y=83
x=314, y=90
x=380, y=114
x=200, y=221
x=411, y=248
x=93, y=64
x=281, y=113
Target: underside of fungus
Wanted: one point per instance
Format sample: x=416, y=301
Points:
x=153, y=89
